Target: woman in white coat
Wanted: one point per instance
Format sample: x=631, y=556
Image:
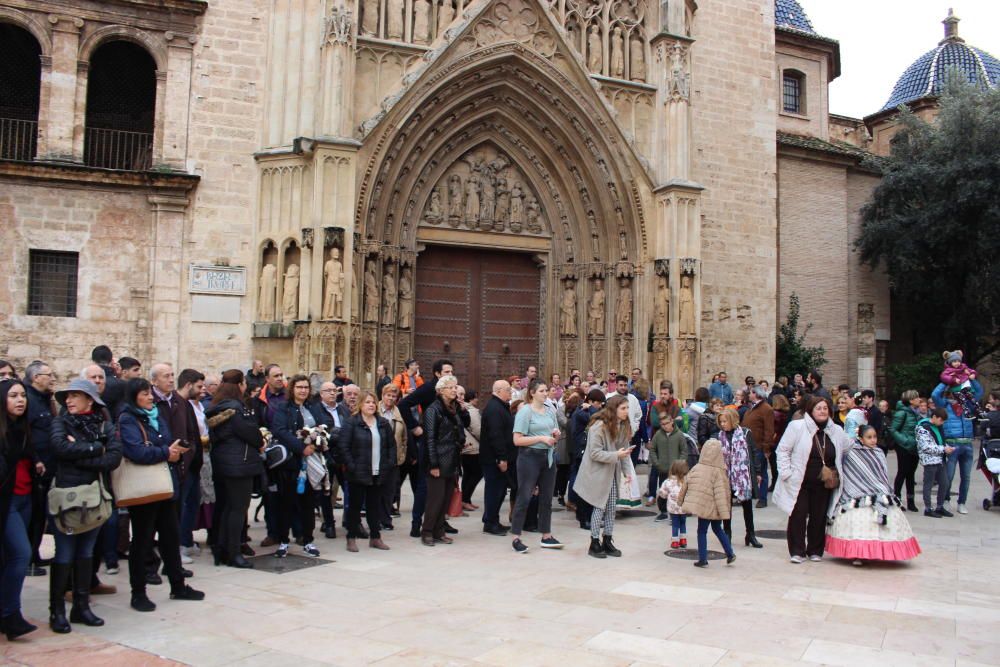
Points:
x=808, y=446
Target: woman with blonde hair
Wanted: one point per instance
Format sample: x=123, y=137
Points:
x=444, y=437
x=741, y=468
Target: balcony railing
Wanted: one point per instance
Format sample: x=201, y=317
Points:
x=18, y=139
x=117, y=149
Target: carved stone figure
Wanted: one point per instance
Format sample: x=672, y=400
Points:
x=471, y=216
x=567, y=310
x=434, y=214
x=516, y=207
x=369, y=17
x=595, y=310
x=622, y=245
x=394, y=21
x=503, y=205
x=594, y=55
x=454, y=200
x=333, y=298
x=268, y=284
x=595, y=239
x=487, y=201
x=371, y=293
x=623, y=313
x=446, y=14
x=421, y=21
x=388, y=298
x=661, y=309
x=617, y=54
x=405, y=299
x=636, y=59
x=355, y=297
x=290, y=295
x=533, y=214
x=686, y=323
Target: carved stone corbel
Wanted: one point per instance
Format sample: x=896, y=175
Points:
x=661, y=267
x=333, y=237
x=307, y=237
x=689, y=266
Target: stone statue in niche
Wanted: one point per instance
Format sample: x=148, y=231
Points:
x=433, y=215
x=333, y=297
x=268, y=284
x=595, y=241
x=389, y=297
x=487, y=201
x=661, y=309
x=516, y=207
x=446, y=14
x=623, y=313
x=421, y=21
x=503, y=205
x=594, y=58
x=636, y=59
x=371, y=293
x=394, y=20
x=567, y=310
x=533, y=213
x=686, y=324
x=454, y=200
x=622, y=244
x=472, y=201
x=595, y=310
x=290, y=295
x=405, y=299
x=369, y=17
x=617, y=54
x=355, y=297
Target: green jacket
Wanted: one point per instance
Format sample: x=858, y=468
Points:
x=904, y=425
x=665, y=449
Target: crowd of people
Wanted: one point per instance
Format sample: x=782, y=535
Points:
x=116, y=465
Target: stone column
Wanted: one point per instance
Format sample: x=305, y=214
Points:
x=172, y=116
x=338, y=74
x=60, y=121
x=166, y=274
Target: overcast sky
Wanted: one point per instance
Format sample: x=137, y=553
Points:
x=879, y=39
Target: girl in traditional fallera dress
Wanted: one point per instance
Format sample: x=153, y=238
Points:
x=868, y=523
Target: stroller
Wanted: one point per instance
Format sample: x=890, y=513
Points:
x=989, y=463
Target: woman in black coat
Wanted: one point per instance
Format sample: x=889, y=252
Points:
x=367, y=449
x=444, y=435
x=235, y=455
x=87, y=449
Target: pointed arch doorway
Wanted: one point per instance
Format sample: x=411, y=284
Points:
x=480, y=309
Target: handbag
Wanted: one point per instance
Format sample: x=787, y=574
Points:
x=455, y=504
x=275, y=455
x=78, y=509
x=829, y=476
x=137, y=484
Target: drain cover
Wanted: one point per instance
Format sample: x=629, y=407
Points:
x=290, y=563
x=692, y=554
x=626, y=513
x=772, y=534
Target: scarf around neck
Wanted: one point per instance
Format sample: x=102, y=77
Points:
x=90, y=425
x=734, y=452
x=865, y=480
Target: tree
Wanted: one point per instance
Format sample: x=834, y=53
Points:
x=934, y=222
x=793, y=355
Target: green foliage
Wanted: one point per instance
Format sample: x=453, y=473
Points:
x=934, y=219
x=921, y=373
x=793, y=355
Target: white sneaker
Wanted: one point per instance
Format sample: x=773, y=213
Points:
x=185, y=559
x=190, y=552
x=815, y=559
x=797, y=559
x=962, y=509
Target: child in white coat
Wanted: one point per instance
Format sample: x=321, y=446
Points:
x=670, y=490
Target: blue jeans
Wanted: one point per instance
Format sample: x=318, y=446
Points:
x=79, y=546
x=763, y=467
x=961, y=458
x=16, y=554
x=678, y=525
x=189, y=503
x=716, y=524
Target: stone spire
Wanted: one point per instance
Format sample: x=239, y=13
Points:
x=951, y=29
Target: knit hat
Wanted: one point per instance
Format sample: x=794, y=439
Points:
x=955, y=355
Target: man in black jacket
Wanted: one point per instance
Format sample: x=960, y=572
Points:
x=410, y=408
x=335, y=414
x=114, y=389
x=496, y=452
x=38, y=383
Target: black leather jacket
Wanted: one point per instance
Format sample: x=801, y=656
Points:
x=444, y=437
x=354, y=449
x=80, y=461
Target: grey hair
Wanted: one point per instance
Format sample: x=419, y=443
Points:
x=909, y=395
x=759, y=392
x=33, y=370
x=152, y=369
x=83, y=371
x=445, y=381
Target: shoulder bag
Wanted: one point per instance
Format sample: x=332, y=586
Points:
x=78, y=509
x=829, y=476
x=137, y=484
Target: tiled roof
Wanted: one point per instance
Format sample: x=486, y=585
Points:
x=865, y=159
x=926, y=76
x=789, y=14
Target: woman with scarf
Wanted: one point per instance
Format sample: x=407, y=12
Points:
x=868, y=523
x=86, y=449
x=146, y=440
x=741, y=467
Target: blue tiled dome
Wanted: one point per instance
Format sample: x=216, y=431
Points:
x=926, y=76
x=789, y=14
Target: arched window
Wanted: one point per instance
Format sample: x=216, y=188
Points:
x=793, y=97
x=121, y=103
x=20, y=83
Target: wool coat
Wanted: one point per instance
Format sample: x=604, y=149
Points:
x=706, y=493
x=601, y=463
x=793, y=456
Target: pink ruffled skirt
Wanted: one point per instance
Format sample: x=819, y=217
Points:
x=856, y=533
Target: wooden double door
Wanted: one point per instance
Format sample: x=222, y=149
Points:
x=478, y=308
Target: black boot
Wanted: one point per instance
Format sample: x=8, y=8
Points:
x=910, y=505
x=58, y=579
x=596, y=550
x=81, y=613
x=609, y=547
x=751, y=541
x=15, y=626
